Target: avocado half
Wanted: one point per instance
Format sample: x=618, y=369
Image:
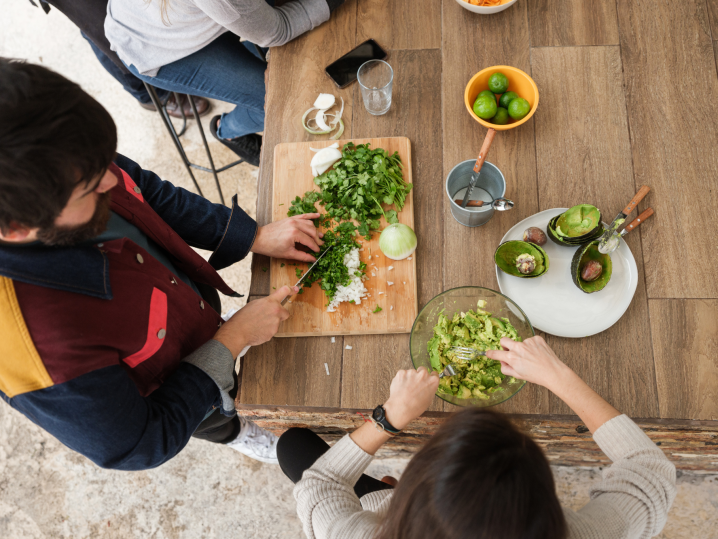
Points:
x=507, y=253
x=581, y=257
x=576, y=226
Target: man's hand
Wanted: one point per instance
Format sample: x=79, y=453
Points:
x=410, y=394
x=256, y=322
x=279, y=239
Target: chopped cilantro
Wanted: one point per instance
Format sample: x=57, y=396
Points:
x=282, y=265
x=378, y=309
x=264, y=270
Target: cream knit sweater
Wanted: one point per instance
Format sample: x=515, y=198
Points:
x=631, y=502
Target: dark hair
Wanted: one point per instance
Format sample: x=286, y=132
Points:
x=52, y=134
x=479, y=478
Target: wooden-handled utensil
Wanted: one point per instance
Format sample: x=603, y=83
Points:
x=479, y=163
x=613, y=242
x=621, y=217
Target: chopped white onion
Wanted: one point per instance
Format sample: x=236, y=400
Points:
x=319, y=118
x=348, y=347
x=391, y=308
x=380, y=293
x=333, y=339
x=325, y=101
x=389, y=283
x=390, y=268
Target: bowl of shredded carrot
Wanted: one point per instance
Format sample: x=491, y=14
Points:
x=486, y=7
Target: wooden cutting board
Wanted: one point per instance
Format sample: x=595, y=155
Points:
x=292, y=178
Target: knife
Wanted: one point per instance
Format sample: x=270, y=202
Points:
x=477, y=166
x=621, y=217
x=246, y=348
x=301, y=279
x=613, y=242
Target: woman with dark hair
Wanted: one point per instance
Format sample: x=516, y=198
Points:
x=479, y=477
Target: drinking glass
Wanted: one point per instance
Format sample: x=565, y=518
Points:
x=375, y=79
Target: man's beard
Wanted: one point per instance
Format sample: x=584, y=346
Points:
x=72, y=235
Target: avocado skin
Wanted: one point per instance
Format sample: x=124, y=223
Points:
x=600, y=283
x=517, y=274
x=572, y=242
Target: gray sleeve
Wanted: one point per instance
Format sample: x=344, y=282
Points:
x=264, y=25
x=217, y=362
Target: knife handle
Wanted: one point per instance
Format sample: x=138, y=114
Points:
x=470, y=203
x=484, y=149
x=642, y=192
x=638, y=220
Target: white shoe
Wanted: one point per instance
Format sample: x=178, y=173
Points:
x=255, y=442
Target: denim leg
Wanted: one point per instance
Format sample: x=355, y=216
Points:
x=134, y=86
x=223, y=70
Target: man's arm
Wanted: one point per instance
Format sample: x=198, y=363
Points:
x=102, y=415
x=201, y=223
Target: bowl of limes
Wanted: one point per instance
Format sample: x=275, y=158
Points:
x=501, y=97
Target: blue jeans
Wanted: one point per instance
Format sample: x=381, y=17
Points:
x=226, y=70
x=134, y=86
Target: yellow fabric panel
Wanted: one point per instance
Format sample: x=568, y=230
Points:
x=21, y=369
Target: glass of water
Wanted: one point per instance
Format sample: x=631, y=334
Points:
x=375, y=79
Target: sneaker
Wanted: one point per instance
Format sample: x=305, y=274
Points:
x=247, y=147
x=173, y=109
x=256, y=443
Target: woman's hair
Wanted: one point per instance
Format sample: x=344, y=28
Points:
x=480, y=478
x=164, y=6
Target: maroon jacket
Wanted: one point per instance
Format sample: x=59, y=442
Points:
x=111, y=325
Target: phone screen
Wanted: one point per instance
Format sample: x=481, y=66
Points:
x=344, y=71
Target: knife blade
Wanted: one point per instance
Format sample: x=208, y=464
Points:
x=477, y=166
x=613, y=242
x=621, y=217
x=301, y=279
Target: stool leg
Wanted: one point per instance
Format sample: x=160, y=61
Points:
x=206, y=148
x=173, y=133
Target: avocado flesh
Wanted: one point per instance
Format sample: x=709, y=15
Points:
x=507, y=253
x=581, y=257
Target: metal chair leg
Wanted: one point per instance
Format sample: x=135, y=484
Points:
x=175, y=138
x=168, y=124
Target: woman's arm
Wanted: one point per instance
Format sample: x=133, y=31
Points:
x=638, y=489
x=267, y=26
x=326, y=502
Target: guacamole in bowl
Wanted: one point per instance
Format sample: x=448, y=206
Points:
x=472, y=317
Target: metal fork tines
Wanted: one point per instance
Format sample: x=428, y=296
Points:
x=448, y=371
x=466, y=354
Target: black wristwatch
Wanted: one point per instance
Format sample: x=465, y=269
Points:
x=379, y=415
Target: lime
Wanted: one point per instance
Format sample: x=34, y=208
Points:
x=505, y=99
x=498, y=83
x=487, y=93
x=501, y=118
x=518, y=108
x=485, y=107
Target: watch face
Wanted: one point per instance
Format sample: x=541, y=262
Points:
x=378, y=413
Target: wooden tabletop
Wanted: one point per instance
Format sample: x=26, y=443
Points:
x=629, y=96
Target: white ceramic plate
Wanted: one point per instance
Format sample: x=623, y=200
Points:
x=553, y=303
x=486, y=10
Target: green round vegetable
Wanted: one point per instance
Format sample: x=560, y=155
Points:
x=507, y=98
x=397, y=241
x=485, y=107
x=498, y=83
x=501, y=117
x=519, y=108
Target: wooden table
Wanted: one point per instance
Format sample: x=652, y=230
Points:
x=629, y=96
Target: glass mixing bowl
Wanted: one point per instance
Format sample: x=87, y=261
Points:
x=463, y=299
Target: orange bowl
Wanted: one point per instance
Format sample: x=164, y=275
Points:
x=519, y=82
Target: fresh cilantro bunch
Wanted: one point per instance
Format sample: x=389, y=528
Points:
x=360, y=182
x=331, y=269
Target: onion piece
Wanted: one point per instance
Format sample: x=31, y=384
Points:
x=319, y=118
x=339, y=131
x=338, y=117
x=325, y=101
x=306, y=126
x=335, y=145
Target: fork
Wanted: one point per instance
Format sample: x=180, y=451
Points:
x=448, y=371
x=466, y=354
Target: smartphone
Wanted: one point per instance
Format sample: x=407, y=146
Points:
x=344, y=70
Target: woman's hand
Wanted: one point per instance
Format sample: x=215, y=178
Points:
x=534, y=361
x=279, y=239
x=255, y=323
x=531, y=360
x=410, y=394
